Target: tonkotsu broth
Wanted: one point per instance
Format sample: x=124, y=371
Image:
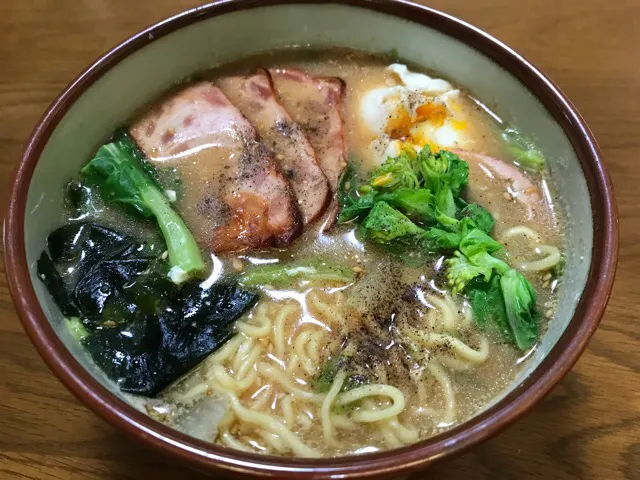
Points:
x=267, y=371
x=378, y=294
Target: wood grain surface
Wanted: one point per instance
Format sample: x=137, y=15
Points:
x=588, y=428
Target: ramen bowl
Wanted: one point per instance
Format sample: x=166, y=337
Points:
x=145, y=65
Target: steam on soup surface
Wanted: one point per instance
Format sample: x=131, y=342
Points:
x=310, y=254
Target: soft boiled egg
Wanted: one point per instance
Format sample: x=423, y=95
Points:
x=417, y=111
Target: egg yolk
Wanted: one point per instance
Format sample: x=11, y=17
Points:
x=398, y=124
x=435, y=113
x=418, y=130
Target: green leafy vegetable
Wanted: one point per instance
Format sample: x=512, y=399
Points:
x=488, y=305
x=286, y=274
x=418, y=204
x=523, y=150
x=353, y=203
x=474, y=260
x=480, y=217
x=476, y=241
x=412, y=206
x=415, y=204
x=519, y=300
x=347, y=185
x=484, y=259
x=439, y=240
x=357, y=207
x=507, y=298
x=445, y=203
x=425, y=187
x=126, y=181
x=499, y=295
x=324, y=379
x=386, y=225
x=394, y=55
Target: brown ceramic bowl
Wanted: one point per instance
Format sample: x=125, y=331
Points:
x=105, y=94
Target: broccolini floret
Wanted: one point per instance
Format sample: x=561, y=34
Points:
x=460, y=272
x=396, y=172
x=386, y=225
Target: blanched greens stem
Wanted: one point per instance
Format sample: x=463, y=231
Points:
x=287, y=274
x=76, y=328
x=184, y=252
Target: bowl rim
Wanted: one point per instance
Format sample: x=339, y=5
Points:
x=205, y=456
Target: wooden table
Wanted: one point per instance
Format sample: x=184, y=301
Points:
x=589, y=427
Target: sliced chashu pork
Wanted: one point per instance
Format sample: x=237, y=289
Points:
x=519, y=185
x=315, y=104
x=256, y=99
x=247, y=200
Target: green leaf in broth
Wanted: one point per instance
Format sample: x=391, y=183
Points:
x=523, y=150
x=480, y=216
x=488, y=307
x=314, y=271
x=520, y=300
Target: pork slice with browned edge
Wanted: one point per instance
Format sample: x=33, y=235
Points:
x=255, y=97
x=315, y=104
x=235, y=196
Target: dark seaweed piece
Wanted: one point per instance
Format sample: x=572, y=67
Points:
x=147, y=354
x=76, y=195
x=141, y=329
x=100, y=268
x=85, y=241
x=148, y=294
x=105, y=281
x=184, y=345
x=216, y=303
x=127, y=355
x=151, y=294
x=104, y=262
x=57, y=289
x=203, y=313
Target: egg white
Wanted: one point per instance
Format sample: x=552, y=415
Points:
x=380, y=107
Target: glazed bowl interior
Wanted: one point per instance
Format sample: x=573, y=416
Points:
x=208, y=41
